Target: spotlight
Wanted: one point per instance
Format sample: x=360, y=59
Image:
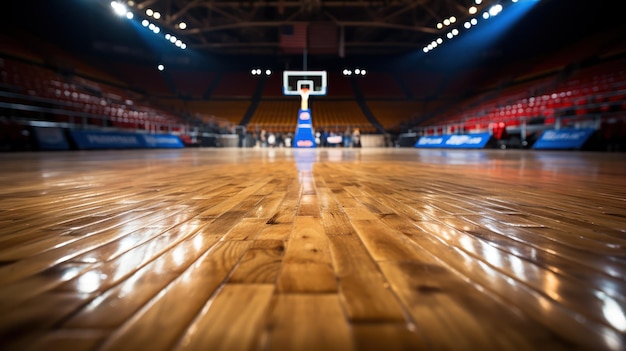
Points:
x=363, y=72
x=452, y=19
x=160, y=67
x=485, y=15
x=145, y=23
x=268, y=72
x=183, y=46
x=439, y=25
x=455, y=32
x=119, y=8
x=446, y=22
x=129, y=15
x=439, y=40
x=156, y=15
x=478, y=2
x=467, y=25
x=357, y=71
x=149, y=12
x=182, y=25
x=495, y=10
x=474, y=21
x=472, y=10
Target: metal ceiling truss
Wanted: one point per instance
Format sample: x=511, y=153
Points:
x=240, y=26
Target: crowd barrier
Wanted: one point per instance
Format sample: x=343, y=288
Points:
x=454, y=141
x=53, y=138
x=563, y=139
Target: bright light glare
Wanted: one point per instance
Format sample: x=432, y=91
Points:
x=118, y=8
x=495, y=10
x=485, y=15
x=182, y=25
x=478, y=2
x=173, y=39
x=446, y=22
x=455, y=31
x=156, y=15
x=268, y=72
x=149, y=12
x=439, y=40
x=145, y=23
x=472, y=10
x=363, y=72
x=129, y=15
x=474, y=21
x=467, y=25
x=184, y=46
x=156, y=29
x=160, y=67
x=452, y=19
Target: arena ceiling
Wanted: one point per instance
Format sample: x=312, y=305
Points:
x=246, y=28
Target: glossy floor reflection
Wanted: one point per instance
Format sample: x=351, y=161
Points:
x=324, y=249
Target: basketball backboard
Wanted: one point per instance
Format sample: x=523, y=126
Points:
x=294, y=81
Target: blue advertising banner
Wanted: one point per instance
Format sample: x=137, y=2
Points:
x=118, y=140
x=162, y=141
x=51, y=138
x=454, y=141
x=563, y=139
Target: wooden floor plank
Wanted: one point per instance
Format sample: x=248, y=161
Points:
x=234, y=320
x=364, y=291
x=307, y=255
x=309, y=323
x=167, y=312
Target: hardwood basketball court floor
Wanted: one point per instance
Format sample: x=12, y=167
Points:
x=324, y=249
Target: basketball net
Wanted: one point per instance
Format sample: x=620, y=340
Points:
x=304, y=103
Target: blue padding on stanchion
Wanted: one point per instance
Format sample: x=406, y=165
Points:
x=304, y=137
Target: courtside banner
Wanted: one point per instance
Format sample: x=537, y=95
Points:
x=116, y=140
x=564, y=139
x=454, y=141
x=162, y=141
x=51, y=138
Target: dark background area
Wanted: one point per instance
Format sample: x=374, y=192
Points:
x=89, y=28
